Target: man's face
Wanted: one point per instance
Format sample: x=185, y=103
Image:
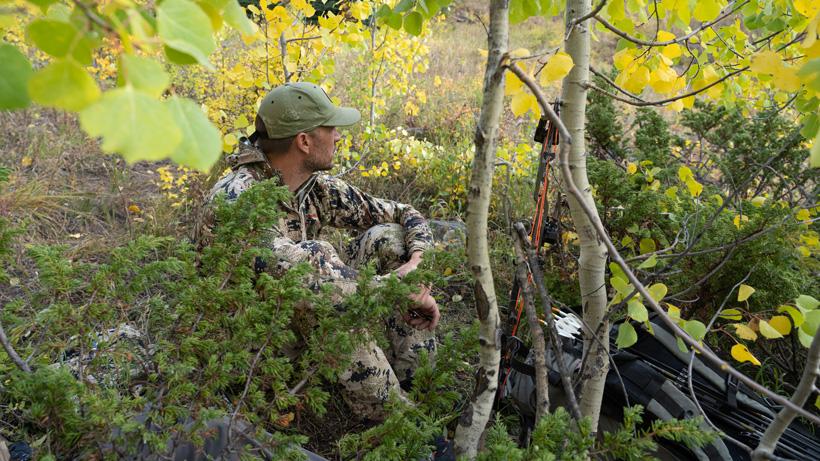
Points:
x=324, y=139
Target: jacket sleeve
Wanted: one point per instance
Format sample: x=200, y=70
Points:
x=347, y=207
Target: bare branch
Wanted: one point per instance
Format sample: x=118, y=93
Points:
x=663, y=101
x=680, y=39
x=546, y=303
x=542, y=396
x=11, y=352
x=614, y=85
x=591, y=14
x=618, y=259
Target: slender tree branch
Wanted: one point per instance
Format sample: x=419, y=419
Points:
x=546, y=303
x=589, y=15
x=542, y=399
x=680, y=39
x=614, y=85
x=11, y=352
x=663, y=101
x=618, y=259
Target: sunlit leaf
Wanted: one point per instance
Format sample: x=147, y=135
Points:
x=14, y=78
x=742, y=354
x=794, y=313
x=132, y=124
x=768, y=331
x=650, y=262
x=201, y=143
x=730, y=314
x=695, y=328
x=556, y=68
x=627, y=335
x=637, y=311
x=620, y=285
x=647, y=246
x=657, y=291
x=185, y=28
x=745, y=332
x=144, y=74
x=744, y=292
x=806, y=302
x=781, y=323
x=64, y=84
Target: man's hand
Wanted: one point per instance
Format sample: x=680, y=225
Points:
x=424, y=315
x=410, y=265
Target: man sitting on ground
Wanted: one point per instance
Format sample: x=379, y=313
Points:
x=295, y=140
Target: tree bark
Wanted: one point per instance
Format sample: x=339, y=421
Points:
x=805, y=388
x=474, y=418
x=592, y=261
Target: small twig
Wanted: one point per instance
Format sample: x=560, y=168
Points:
x=683, y=38
x=591, y=14
x=614, y=85
x=663, y=101
x=11, y=352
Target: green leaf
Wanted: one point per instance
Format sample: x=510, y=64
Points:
x=806, y=303
x=184, y=27
x=695, y=328
x=627, y=335
x=404, y=5
x=657, y=291
x=178, y=57
x=647, y=246
x=817, y=402
x=805, y=338
x=144, y=74
x=64, y=84
x=651, y=262
x=14, y=78
x=637, y=310
x=814, y=153
x=811, y=321
x=412, y=23
x=133, y=124
x=768, y=331
x=43, y=4
x=201, y=143
x=54, y=37
x=620, y=285
x=617, y=272
x=730, y=314
x=794, y=313
x=394, y=21
x=235, y=16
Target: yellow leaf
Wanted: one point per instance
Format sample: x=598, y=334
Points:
x=742, y=354
x=745, y=332
x=803, y=215
x=624, y=58
x=134, y=208
x=657, y=291
x=513, y=86
x=786, y=79
x=631, y=168
x=781, y=323
x=522, y=102
x=672, y=51
x=26, y=161
x=744, y=292
x=739, y=220
x=519, y=53
x=807, y=8
x=706, y=10
x=229, y=140
x=684, y=173
x=769, y=331
x=557, y=68
x=718, y=199
x=676, y=106
x=481, y=51
x=695, y=188
x=758, y=201
x=766, y=62
x=437, y=81
x=636, y=81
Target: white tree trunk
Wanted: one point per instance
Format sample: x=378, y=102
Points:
x=593, y=256
x=474, y=418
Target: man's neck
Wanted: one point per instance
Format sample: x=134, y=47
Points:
x=293, y=173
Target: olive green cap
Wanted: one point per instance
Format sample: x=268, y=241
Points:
x=294, y=108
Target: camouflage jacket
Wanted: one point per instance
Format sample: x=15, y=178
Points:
x=320, y=201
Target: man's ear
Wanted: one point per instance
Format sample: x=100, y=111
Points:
x=302, y=142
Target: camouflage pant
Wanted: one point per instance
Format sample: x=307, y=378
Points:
x=375, y=373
